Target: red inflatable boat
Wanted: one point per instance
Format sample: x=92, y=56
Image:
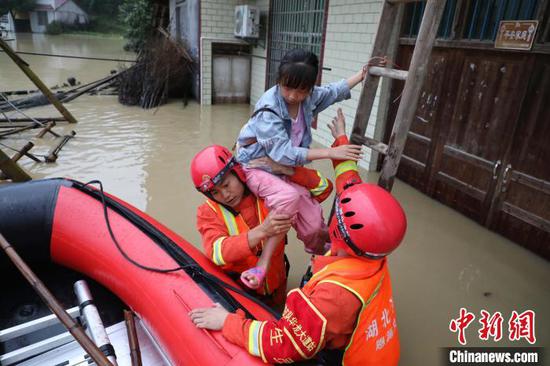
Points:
x=77, y=226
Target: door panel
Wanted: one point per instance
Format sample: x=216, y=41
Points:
x=485, y=111
x=523, y=204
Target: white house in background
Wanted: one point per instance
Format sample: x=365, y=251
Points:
x=6, y=23
x=63, y=11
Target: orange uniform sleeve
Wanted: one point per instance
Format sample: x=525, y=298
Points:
x=318, y=185
x=326, y=318
x=346, y=171
x=219, y=246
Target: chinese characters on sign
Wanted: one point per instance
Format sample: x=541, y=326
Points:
x=519, y=326
x=516, y=35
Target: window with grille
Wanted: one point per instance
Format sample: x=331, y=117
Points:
x=475, y=20
x=294, y=24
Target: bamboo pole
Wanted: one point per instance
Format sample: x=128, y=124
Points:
x=36, y=80
x=12, y=170
x=133, y=342
x=77, y=332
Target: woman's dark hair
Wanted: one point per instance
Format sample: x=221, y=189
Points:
x=298, y=69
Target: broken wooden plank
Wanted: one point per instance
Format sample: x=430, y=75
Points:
x=19, y=125
x=52, y=155
x=39, y=119
x=17, y=130
x=18, y=155
x=46, y=129
x=12, y=170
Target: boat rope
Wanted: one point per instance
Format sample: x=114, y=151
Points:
x=72, y=56
x=194, y=270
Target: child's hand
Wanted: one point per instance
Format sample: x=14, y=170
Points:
x=338, y=125
x=209, y=318
x=346, y=152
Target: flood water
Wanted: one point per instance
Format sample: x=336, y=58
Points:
x=446, y=261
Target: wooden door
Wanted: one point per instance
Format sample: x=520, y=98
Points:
x=521, y=209
x=480, y=129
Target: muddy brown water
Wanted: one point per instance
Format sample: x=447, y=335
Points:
x=446, y=261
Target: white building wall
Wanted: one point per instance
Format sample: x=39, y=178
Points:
x=217, y=25
x=35, y=27
x=259, y=62
x=70, y=13
x=6, y=21
x=350, y=33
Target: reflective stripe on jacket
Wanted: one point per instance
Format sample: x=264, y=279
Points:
x=276, y=274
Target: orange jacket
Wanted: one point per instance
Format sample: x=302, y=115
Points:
x=319, y=186
x=375, y=340
x=225, y=240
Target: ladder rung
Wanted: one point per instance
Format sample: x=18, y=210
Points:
x=376, y=145
x=35, y=348
x=34, y=325
x=389, y=73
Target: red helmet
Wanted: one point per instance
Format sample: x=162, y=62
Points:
x=211, y=164
x=368, y=221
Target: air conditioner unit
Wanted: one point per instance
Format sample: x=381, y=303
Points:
x=247, y=21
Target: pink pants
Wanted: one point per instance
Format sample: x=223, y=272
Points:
x=292, y=199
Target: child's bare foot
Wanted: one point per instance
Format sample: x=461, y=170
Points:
x=253, y=277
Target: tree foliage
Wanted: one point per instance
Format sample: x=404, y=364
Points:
x=100, y=7
x=16, y=5
x=137, y=16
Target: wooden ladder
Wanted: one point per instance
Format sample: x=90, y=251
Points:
x=414, y=79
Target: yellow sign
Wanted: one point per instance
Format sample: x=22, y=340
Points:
x=516, y=34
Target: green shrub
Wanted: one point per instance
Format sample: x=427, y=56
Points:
x=54, y=27
x=137, y=16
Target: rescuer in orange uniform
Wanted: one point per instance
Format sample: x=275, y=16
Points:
x=234, y=223
x=347, y=304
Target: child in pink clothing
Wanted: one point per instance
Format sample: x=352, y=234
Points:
x=280, y=130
